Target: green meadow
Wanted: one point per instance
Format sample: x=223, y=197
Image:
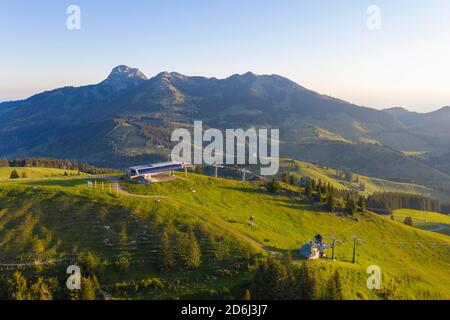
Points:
x=35, y=173
x=50, y=219
x=431, y=221
x=371, y=184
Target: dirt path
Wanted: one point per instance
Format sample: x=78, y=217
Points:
x=439, y=227
x=116, y=186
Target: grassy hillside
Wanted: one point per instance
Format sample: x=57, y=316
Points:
x=56, y=218
x=53, y=221
x=35, y=173
x=431, y=221
x=284, y=222
x=372, y=185
x=369, y=160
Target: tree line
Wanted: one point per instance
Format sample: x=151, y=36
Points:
x=386, y=202
x=19, y=286
x=281, y=279
x=350, y=202
x=55, y=164
x=317, y=191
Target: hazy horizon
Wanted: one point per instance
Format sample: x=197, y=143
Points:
x=206, y=76
x=324, y=47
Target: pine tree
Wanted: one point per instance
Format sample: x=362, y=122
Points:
x=362, y=204
x=292, y=180
x=247, y=295
x=273, y=186
x=189, y=250
x=319, y=186
x=167, y=252
x=89, y=262
x=305, y=283
x=123, y=262
x=408, y=221
x=17, y=287
x=285, y=177
x=351, y=207
x=89, y=287
x=331, y=203
x=313, y=184
x=334, y=288
x=269, y=280
x=40, y=290
x=14, y=174
x=309, y=188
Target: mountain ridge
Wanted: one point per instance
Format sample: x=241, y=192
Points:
x=128, y=115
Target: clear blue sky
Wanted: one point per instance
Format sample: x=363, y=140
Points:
x=323, y=45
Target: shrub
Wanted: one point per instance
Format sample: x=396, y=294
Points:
x=89, y=262
x=123, y=262
x=408, y=221
x=14, y=175
x=273, y=186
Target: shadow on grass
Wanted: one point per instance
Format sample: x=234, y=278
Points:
x=298, y=204
x=286, y=199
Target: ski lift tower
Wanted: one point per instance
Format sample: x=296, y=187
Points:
x=244, y=171
x=216, y=169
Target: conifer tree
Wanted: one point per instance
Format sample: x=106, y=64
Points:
x=285, y=177
x=331, y=203
x=18, y=287
x=334, y=288
x=14, y=174
x=292, y=180
x=167, y=252
x=362, y=204
x=309, y=188
x=189, y=250
x=351, y=207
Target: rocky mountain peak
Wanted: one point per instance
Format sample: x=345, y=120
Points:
x=122, y=77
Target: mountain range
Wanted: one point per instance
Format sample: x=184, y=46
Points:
x=128, y=118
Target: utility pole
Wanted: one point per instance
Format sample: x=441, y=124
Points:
x=355, y=240
x=244, y=172
x=216, y=169
x=333, y=247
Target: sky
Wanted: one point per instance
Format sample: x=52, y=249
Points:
x=324, y=45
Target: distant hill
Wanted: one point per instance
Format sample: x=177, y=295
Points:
x=371, y=185
x=128, y=119
x=433, y=125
